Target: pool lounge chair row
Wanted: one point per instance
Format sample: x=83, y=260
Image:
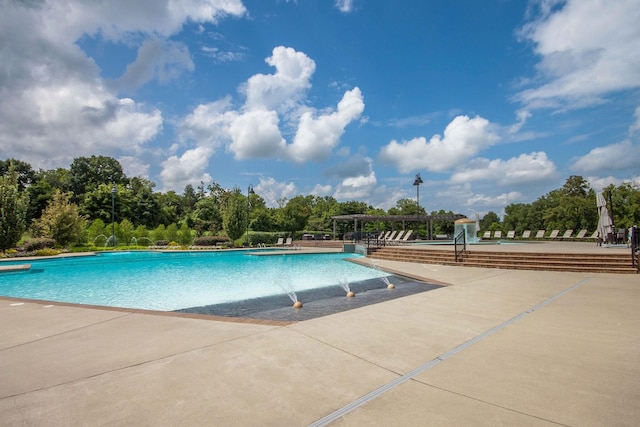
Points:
x=540, y=234
x=286, y=243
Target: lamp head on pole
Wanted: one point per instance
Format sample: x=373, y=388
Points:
x=250, y=190
x=114, y=189
x=418, y=180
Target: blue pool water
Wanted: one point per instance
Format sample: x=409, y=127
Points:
x=175, y=280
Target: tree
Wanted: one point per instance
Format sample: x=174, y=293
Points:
x=97, y=203
x=207, y=216
x=87, y=173
x=235, y=215
x=184, y=235
x=13, y=210
x=61, y=220
x=146, y=207
x=159, y=233
x=295, y=214
x=126, y=231
x=172, y=232
x=42, y=188
x=97, y=229
x=24, y=173
x=491, y=221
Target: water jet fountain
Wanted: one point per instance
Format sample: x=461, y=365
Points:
x=98, y=237
x=288, y=289
x=345, y=285
x=384, y=279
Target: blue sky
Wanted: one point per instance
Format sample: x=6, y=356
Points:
x=492, y=102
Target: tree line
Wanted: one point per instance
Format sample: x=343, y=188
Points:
x=74, y=206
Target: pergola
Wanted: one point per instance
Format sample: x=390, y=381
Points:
x=361, y=219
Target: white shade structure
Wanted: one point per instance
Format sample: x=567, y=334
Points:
x=605, y=224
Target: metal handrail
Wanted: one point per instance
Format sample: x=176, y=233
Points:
x=456, y=241
x=635, y=248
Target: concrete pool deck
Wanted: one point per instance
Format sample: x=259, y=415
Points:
x=509, y=347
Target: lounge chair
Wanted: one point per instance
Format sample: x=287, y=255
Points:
x=594, y=236
x=397, y=238
x=567, y=234
x=386, y=235
x=526, y=234
x=407, y=236
x=554, y=234
x=392, y=236
x=511, y=234
x=497, y=234
x=581, y=234
x=540, y=234
x=288, y=242
x=280, y=241
x=486, y=235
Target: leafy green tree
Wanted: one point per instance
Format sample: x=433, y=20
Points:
x=322, y=209
x=87, y=173
x=125, y=231
x=95, y=229
x=263, y=219
x=235, y=215
x=626, y=204
x=25, y=175
x=170, y=207
x=185, y=236
x=295, y=214
x=159, y=233
x=61, y=220
x=42, y=188
x=13, y=210
x=141, y=233
x=189, y=199
x=490, y=222
x=97, y=203
x=207, y=216
x=146, y=208
x=172, y=232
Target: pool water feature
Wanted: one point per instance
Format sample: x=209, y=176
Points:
x=175, y=280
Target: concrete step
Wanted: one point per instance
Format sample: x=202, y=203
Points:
x=594, y=263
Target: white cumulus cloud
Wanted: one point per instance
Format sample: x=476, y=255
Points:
x=316, y=137
x=283, y=90
x=588, y=48
x=274, y=104
x=55, y=104
x=463, y=138
x=622, y=155
x=525, y=168
x=189, y=168
x=273, y=191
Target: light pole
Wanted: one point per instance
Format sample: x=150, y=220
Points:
x=417, y=183
x=114, y=190
x=249, y=193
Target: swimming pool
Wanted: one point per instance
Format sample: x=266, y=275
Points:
x=175, y=280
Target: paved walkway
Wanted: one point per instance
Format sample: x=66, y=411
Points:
x=496, y=347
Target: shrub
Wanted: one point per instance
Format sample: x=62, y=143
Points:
x=209, y=240
x=38, y=244
x=47, y=252
x=162, y=242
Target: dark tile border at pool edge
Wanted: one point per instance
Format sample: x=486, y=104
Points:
x=265, y=322
x=367, y=262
